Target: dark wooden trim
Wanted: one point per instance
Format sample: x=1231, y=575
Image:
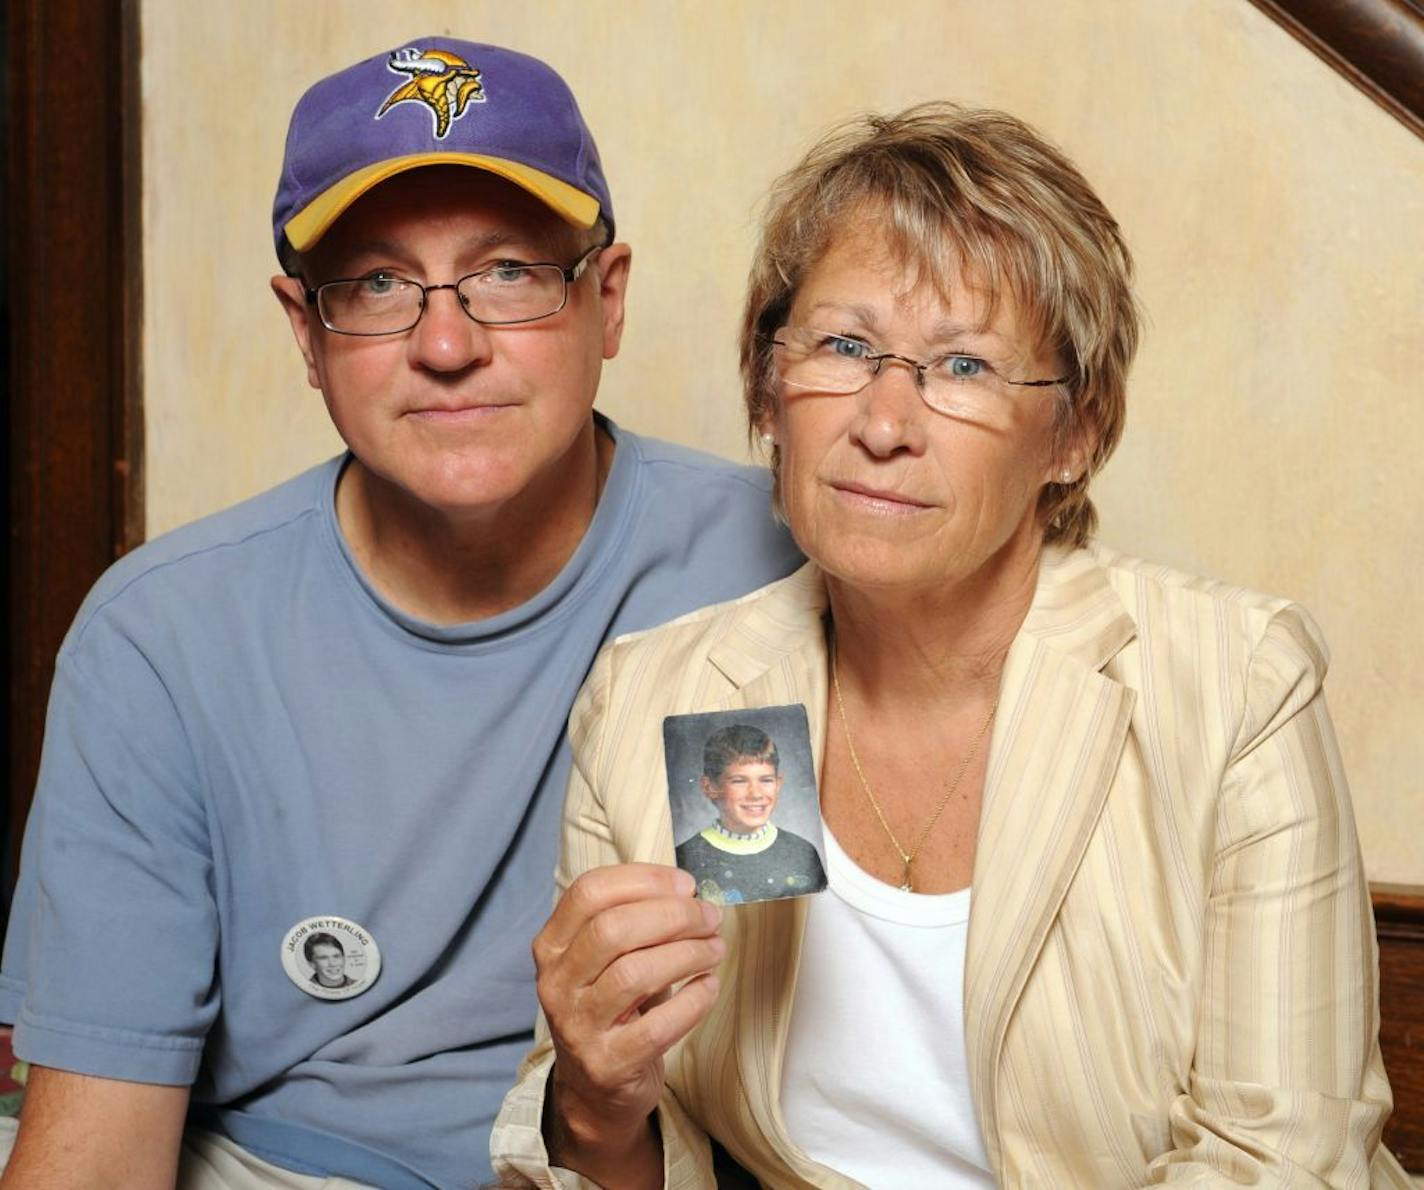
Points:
x=1399, y=909
x=1377, y=44
x=1399, y=921
x=74, y=292
x=126, y=281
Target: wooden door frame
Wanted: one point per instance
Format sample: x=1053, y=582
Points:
x=73, y=296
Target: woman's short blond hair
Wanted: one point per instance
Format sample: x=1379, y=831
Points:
x=959, y=191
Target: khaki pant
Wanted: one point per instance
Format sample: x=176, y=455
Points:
x=212, y=1162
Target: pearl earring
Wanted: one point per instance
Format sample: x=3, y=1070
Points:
x=1066, y=476
x=768, y=438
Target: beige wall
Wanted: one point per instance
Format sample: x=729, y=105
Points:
x=1277, y=411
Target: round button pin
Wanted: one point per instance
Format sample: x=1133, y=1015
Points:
x=331, y=958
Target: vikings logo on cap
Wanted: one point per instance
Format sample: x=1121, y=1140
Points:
x=443, y=81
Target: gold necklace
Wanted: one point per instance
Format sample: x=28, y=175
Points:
x=906, y=857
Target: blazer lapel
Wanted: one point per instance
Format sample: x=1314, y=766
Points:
x=1055, y=747
x=775, y=623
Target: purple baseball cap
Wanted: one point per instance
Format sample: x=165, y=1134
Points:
x=436, y=101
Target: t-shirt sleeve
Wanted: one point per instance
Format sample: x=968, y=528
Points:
x=110, y=958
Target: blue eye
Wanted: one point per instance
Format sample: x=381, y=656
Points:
x=963, y=367
x=508, y=272
x=847, y=348
x=379, y=285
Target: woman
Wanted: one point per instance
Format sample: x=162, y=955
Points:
x=1167, y=971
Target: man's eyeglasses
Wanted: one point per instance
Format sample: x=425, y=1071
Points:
x=502, y=295
x=955, y=384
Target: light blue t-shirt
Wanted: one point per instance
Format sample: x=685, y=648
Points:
x=243, y=734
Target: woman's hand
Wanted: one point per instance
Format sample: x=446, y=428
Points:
x=618, y=941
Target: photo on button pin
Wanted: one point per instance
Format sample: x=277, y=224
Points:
x=330, y=958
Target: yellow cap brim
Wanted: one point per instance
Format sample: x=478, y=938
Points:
x=313, y=221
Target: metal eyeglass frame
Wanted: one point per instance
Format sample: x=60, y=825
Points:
x=569, y=275
x=876, y=360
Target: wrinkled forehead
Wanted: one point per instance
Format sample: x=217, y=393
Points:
x=921, y=266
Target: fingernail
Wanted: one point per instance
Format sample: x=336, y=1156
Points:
x=711, y=914
x=686, y=885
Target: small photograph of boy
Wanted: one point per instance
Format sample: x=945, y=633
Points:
x=729, y=772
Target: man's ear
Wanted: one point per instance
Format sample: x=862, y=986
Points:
x=613, y=265
x=291, y=293
x=709, y=791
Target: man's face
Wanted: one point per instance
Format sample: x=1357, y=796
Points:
x=330, y=964
x=457, y=416
x=745, y=794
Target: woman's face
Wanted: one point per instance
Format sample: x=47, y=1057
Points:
x=883, y=491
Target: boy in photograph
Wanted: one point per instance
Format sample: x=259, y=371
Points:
x=328, y=959
x=744, y=856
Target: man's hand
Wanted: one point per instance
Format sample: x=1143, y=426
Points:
x=617, y=942
x=78, y=1132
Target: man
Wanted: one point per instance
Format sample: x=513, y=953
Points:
x=380, y=654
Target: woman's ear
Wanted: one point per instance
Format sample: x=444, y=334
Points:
x=1072, y=458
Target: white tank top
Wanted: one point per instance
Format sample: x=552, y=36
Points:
x=875, y=1083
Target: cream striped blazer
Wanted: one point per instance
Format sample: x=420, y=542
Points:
x=1171, y=965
